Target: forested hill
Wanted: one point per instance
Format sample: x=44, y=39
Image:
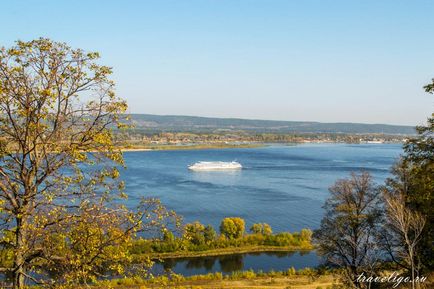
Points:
x=178, y=123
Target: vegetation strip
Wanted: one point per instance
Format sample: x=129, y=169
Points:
x=225, y=251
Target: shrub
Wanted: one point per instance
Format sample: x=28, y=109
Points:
x=306, y=235
x=209, y=234
x=256, y=228
x=291, y=271
x=194, y=233
x=261, y=228
x=232, y=228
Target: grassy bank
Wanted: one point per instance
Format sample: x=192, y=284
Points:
x=290, y=279
x=200, y=241
x=222, y=251
x=294, y=282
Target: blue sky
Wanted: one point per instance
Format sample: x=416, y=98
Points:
x=331, y=61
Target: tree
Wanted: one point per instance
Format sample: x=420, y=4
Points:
x=93, y=245
x=209, y=234
x=406, y=226
x=266, y=229
x=418, y=159
x=59, y=172
x=168, y=236
x=347, y=231
x=232, y=228
x=261, y=228
x=256, y=228
x=194, y=233
x=306, y=235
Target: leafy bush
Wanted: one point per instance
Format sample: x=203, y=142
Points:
x=261, y=228
x=197, y=237
x=232, y=228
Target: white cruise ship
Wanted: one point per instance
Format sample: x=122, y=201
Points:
x=215, y=166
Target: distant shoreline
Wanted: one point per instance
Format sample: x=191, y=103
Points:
x=229, y=146
x=191, y=147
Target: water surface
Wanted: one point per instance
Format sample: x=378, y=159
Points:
x=284, y=186
x=277, y=261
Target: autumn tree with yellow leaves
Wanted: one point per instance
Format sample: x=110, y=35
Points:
x=59, y=167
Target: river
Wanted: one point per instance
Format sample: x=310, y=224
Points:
x=282, y=185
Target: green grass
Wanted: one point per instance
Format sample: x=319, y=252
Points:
x=223, y=251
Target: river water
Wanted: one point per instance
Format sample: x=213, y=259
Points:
x=282, y=185
x=277, y=261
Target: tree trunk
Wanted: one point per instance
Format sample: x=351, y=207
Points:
x=19, y=278
x=411, y=255
x=412, y=274
x=19, y=272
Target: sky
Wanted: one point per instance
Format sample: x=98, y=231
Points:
x=328, y=61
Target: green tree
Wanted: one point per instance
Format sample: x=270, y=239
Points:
x=168, y=236
x=60, y=163
x=266, y=229
x=418, y=161
x=232, y=228
x=261, y=228
x=209, y=233
x=306, y=235
x=256, y=228
x=194, y=233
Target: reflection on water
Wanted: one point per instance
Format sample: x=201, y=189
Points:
x=264, y=261
x=231, y=263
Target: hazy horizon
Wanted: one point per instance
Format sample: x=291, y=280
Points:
x=334, y=61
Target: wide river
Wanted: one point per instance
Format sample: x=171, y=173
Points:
x=284, y=186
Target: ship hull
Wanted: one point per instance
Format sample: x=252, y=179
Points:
x=215, y=166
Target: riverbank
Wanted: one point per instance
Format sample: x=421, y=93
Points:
x=223, y=251
x=138, y=148
x=306, y=279
x=296, y=282
x=189, y=147
x=202, y=241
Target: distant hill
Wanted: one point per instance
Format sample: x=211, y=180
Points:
x=178, y=123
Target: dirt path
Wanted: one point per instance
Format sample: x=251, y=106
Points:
x=295, y=282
